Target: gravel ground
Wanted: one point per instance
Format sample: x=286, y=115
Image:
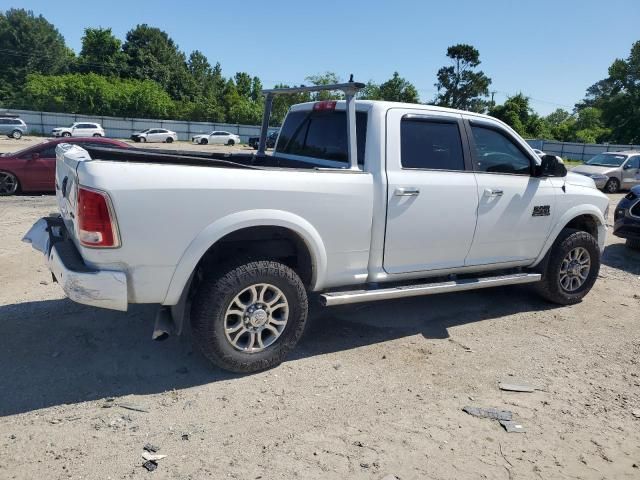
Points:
x=373, y=390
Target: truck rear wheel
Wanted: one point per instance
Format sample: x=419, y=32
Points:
x=571, y=269
x=246, y=318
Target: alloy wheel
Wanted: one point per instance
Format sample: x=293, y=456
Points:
x=574, y=269
x=256, y=317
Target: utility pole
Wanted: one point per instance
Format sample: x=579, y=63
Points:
x=493, y=92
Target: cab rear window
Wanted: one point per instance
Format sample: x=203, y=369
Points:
x=321, y=134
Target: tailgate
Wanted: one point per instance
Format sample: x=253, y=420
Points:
x=68, y=157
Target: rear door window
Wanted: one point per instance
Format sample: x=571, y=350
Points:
x=321, y=134
x=432, y=145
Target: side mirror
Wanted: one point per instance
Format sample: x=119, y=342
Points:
x=628, y=166
x=551, y=166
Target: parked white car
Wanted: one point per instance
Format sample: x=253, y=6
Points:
x=155, y=135
x=387, y=201
x=216, y=138
x=79, y=129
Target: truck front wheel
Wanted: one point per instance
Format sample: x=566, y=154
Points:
x=246, y=318
x=571, y=269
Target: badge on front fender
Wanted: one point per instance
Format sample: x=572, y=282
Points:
x=541, y=211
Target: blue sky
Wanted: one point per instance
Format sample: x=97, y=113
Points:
x=550, y=50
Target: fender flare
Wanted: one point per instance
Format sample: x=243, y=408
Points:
x=569, y=215
x=238, y=221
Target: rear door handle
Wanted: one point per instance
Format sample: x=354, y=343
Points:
x=406, y=192
x=493, y=192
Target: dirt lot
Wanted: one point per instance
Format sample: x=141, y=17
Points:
x=372, y=390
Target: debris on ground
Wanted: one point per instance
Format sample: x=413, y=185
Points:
x=492, y=413
x=185, y=436
x=150, y=465
x=134, y=407
x=512, y=427
x=516, y=387
x=149, y=447
x=152, y=457
x=636, y=413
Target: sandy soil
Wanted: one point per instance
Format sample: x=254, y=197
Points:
x=372, y=390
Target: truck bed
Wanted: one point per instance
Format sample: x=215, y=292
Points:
x=187, y=157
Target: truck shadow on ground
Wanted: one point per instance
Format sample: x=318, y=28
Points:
x=56, y=352
x=619, y=256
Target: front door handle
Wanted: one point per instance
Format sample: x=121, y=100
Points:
x=493, y=192
x=406, y=192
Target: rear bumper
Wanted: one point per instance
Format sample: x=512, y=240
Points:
x=82, y=284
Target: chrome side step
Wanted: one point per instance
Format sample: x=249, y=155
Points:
x=330, y=299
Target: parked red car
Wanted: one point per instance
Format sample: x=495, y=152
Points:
x=34, y=168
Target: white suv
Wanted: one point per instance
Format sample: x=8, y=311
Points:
x=79, y=129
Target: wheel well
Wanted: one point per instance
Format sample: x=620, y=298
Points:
x=263, y=243
x=585, y=223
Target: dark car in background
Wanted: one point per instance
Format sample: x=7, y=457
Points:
x=627, y=218
x=33, y=168
x=271, y=140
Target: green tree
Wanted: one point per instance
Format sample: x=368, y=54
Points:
x=256, y=90
x=371, y=91
x=101, y=53
x=327, y=78
x=28, y=44
x=282, y=103
x=243, y=84
x=460, y=85
x=397, y=89
x=153, y=55
x=561, y=125
x=617, y=97
x=95, y=94
x=588, y=126
x=518, y=114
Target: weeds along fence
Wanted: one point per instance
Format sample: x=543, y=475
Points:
x=41, y=123
x=577, y=151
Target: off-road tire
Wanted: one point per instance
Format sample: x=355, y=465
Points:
x=549, y=287
x=633, y=243
x=612, y=186
x=216, y=292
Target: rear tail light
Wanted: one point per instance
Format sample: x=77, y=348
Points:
x=96, y=220
x=325, y=105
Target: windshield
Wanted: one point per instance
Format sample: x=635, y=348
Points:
x=607, y=160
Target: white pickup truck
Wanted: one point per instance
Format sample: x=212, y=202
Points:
x=360, y=201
